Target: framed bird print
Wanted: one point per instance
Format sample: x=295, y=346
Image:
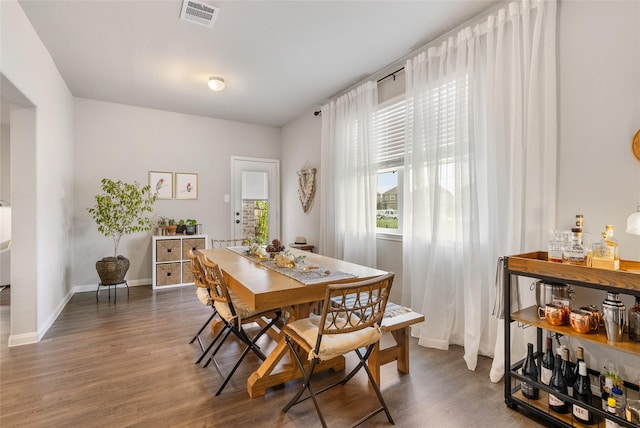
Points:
x=161, y=184
x=186, y=185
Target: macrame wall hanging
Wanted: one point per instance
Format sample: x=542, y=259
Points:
x=306, y=188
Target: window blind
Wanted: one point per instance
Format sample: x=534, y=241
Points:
x=390, y=130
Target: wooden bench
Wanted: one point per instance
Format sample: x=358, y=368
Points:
x=398, y=325
x=396, y=321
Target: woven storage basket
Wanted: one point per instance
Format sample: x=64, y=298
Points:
x=191, y=244
x=168, y=274
x=168, y=250
x=187, y=275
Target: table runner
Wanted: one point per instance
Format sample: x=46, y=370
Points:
x=316, y=275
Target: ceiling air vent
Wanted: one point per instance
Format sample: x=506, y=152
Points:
x=199, y=12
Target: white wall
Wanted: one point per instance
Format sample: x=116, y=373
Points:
x=599, y=112
x=42, y=167
x=300, y=150
x=5, y=190
x=125, y=142
x=5, y=165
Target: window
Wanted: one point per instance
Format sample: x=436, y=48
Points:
x=448, y=160
x=387, y=204
x=390, y=123
x=445, y=156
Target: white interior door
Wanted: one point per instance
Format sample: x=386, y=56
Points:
x=255, y=184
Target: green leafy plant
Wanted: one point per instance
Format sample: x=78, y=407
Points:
x=191, y=222
x=262, y=221
x=120, y=209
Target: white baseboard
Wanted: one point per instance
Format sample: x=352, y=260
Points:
x=23, y=339
x=94, y=287
x=49, y=322
x=34, y=337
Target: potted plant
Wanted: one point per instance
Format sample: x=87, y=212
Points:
x=191, y=226
x=171, y=227
x=120, y=210
x=181, y=227
x=161, y=226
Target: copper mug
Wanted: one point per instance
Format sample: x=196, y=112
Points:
x=556, y=314
x=595, y=312
x=584, y=321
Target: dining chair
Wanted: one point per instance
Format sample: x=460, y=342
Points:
x=235, y=314
x=346, y=324
x=202, y=291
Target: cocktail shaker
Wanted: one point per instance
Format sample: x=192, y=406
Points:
x=613, y=315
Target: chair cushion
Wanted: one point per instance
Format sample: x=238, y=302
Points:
x=333, y=345
x=242, y=309
x=203, y=296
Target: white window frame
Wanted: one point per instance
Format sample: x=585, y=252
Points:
x=396, y=164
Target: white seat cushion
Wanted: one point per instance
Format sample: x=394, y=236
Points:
x=242, y=309
x=203, y=296
x=333, y=345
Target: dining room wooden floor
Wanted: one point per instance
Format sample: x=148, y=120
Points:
x=130, y=365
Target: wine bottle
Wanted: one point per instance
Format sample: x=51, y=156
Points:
x=530, y=370
x=576, y=366
x=634, y=321
x=582, y=393
x=547, y=364
x=557, y=383
x=566, y=368
x=611, y=409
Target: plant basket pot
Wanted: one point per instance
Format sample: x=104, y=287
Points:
x=112, y=270
x=190, y=229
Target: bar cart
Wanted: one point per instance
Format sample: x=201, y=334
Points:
x=535, y=265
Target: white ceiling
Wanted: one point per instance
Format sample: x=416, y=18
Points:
x=279, y=58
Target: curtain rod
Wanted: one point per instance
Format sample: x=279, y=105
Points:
x=393, y=74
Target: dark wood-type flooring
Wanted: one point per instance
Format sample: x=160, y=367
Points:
x=130, y=365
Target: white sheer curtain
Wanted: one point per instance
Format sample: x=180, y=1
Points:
x=348, y=176
x=480, y=179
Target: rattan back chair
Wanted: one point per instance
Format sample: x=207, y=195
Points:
x=350, y=321
x=236, y=242
x=235, y=314
x=202, y=291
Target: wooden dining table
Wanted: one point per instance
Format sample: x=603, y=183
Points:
x=263, y=288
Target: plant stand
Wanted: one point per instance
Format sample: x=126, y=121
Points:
x=115, y=290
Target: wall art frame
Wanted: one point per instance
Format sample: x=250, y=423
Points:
x=161, y=183
x=186, y=185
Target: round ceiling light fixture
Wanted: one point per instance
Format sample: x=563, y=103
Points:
x=216, y=83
